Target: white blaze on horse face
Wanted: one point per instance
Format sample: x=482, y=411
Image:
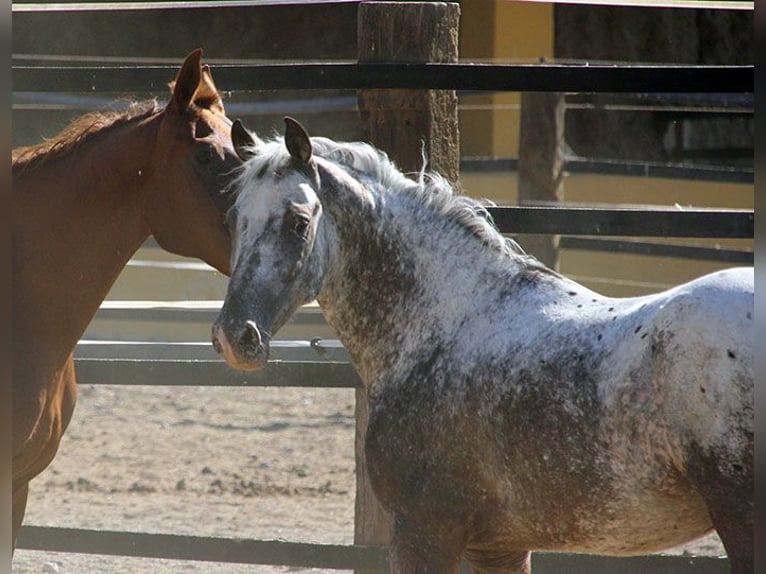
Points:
x=264, y=200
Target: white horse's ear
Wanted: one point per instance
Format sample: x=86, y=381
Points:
x=245, y=143
x=297, y=141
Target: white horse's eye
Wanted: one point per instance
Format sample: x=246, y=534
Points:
x=301, y=227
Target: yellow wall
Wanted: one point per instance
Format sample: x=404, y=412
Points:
x=506, y=32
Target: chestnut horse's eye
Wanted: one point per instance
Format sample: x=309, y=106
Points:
x=206, y=155
x=202, y=130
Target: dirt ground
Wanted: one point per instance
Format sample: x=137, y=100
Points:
x=263, y=463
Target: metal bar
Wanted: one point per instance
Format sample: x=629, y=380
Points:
x=659, y=250
x=739, y=174
x=205, y=315
x=216, y=373
x=328, y=556
x=625, y=222
x=701, y=223
x=662, y=171
x=549, y=563
x=184, y=547
x=205, y=311
x=476, y=77
x=280, y=350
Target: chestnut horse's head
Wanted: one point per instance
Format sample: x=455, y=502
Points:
x=194, y=162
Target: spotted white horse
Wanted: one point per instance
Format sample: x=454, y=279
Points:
x=511, y=409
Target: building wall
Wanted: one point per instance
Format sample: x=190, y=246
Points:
x=499, y=32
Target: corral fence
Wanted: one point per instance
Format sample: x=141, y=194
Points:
x=324, y=363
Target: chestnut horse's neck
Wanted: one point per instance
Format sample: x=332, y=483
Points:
x=78, y=218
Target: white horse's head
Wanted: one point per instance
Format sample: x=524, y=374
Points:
x=279, y=255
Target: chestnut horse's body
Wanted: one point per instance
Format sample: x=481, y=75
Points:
x=82, y=205
x=510, y=408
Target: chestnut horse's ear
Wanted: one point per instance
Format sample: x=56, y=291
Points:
x=207, y=95
x=297, y=141
x=186, y=83
x=244, y=142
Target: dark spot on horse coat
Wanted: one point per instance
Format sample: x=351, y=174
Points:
x=731, y=354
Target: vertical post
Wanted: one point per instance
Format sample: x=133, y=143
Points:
x=405, y=124
x=541, y=165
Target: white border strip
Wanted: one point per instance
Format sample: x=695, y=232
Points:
x=174, y=4
x=170, y=5
x=699, y=4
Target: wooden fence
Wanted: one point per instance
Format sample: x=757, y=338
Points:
x=324, y=363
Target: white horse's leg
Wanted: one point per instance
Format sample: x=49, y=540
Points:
x=509, y=562
x=417, y=549
x=727, y=487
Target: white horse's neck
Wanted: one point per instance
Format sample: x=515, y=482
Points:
x=406, y=270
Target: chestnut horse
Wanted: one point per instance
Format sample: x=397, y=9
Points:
x=511, y=409
x=83, y=203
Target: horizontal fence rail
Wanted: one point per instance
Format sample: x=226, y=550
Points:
x=329, y=556
x=353, y=76
x=693, y=252
x=200, y=310
x=701, y=223
x=181, y=547
x=216, y=373
x=317, y=349
x=739, y=174
x=616, y=222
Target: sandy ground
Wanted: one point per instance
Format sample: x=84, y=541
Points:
x=261, y=463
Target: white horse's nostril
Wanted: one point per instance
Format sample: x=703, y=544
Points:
x=217, y=344
x=251, y=336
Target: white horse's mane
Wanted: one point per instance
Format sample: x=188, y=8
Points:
x=373, y=166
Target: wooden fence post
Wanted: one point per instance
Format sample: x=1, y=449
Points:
x=404, y=124
x=541, y=165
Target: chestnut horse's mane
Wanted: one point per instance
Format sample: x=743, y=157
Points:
x=78, y=131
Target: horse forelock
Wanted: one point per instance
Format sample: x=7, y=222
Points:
x=78, y=132
x=373, y=167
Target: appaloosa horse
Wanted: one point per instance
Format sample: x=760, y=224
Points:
x=83, y=202
x=511, y=409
